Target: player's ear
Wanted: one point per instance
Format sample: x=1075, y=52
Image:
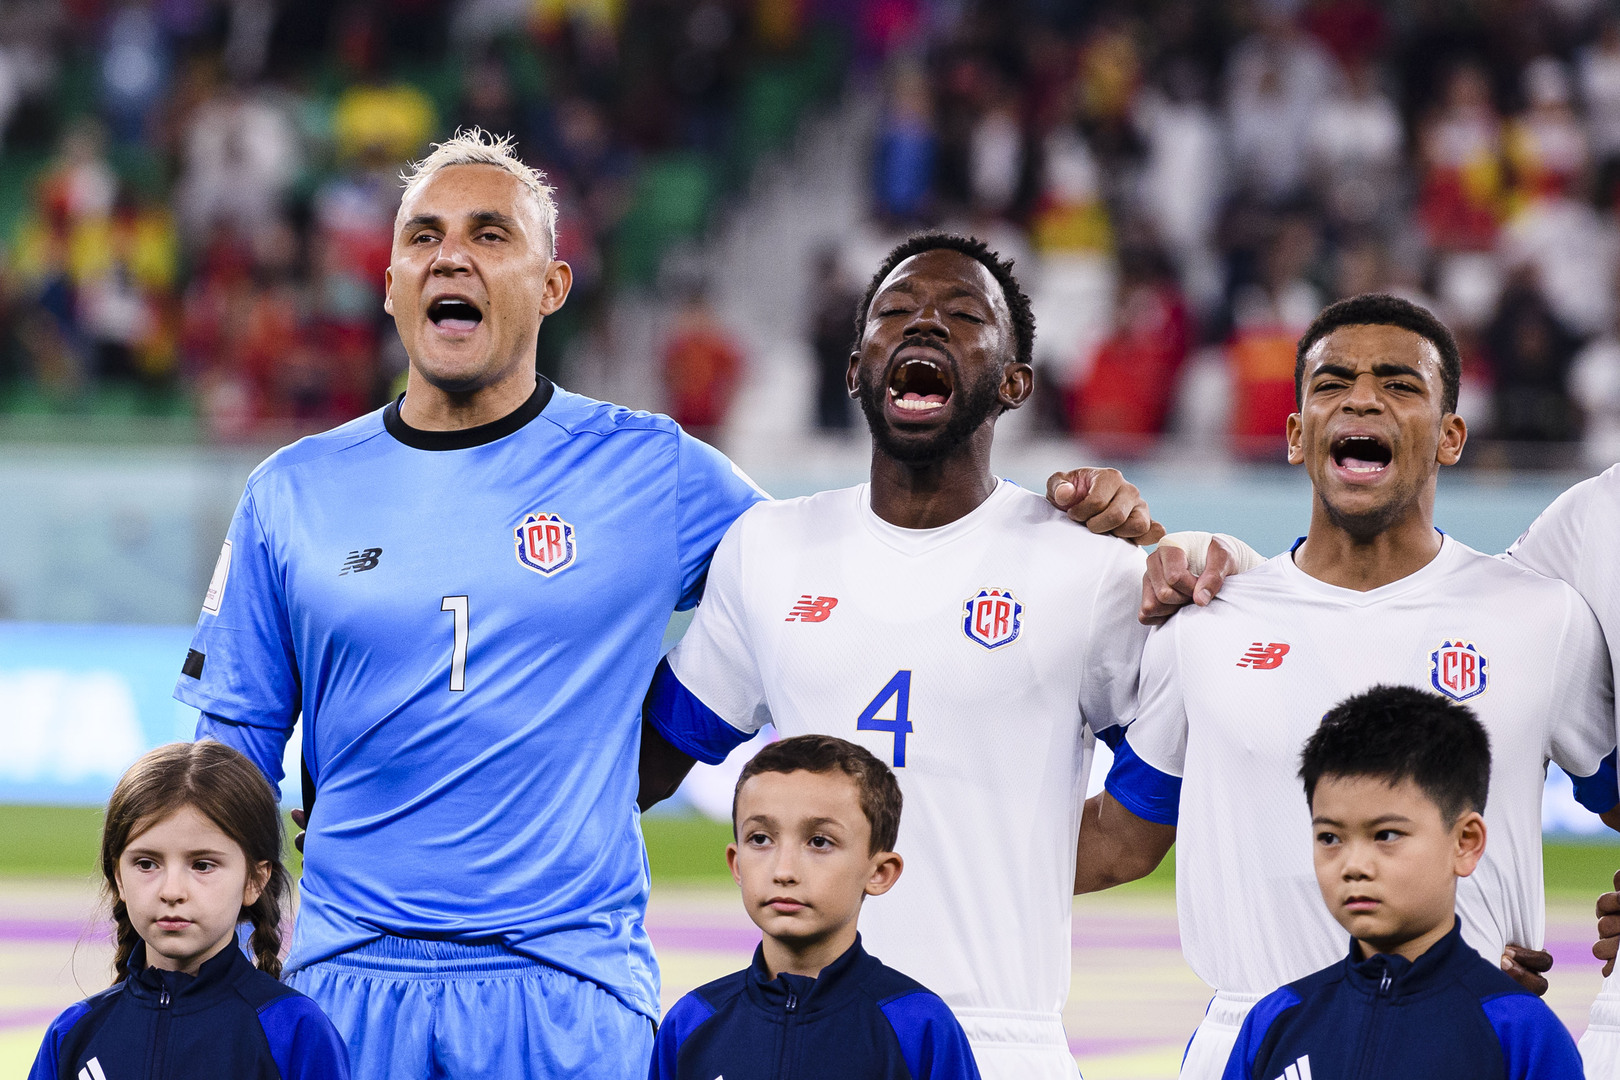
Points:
x=731, y=863
x=1017, y=382
x=1468, y=843
x=851, y=382
x=559, y=280
x=1453, y=434
x=1296, y=439
x=388, y=290
x=886, y=867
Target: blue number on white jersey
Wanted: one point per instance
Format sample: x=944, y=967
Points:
x=898, y=688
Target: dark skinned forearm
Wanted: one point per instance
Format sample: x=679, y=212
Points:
x=662, y=768
x=1116, y=846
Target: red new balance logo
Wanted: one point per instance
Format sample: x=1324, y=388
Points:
x=812, y=610
x=1264, y=657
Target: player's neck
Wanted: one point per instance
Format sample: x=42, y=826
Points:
x=927, y=495
x=1335, y=555
x=806, y=958
x=430, y=408
x=1412, y=948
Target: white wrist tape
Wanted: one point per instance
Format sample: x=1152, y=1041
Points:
x=1196, y=545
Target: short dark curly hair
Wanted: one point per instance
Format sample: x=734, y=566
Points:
x=880, y=791
x=1382, y=309
x=1023, y=316
x=1395, y=733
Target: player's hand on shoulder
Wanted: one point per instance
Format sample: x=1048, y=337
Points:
x=301, y=820
x=1527, y=967
x=1178, y=573
x=1105, y=502
x=1608, y=942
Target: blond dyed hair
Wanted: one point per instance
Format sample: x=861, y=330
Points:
x=475, y=146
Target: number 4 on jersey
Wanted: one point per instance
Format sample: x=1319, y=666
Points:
x=898, y=688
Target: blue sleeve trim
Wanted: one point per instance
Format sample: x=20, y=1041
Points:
x=47, y=1063
x=263, y=746
x=1535, y=1044
x=1112, y=735
x=683, y=1018
x=1140, y=788
x=932, y=1043
x=1599, y=792
x=303, y=1042
x=689, y=725
x=1242, y=1065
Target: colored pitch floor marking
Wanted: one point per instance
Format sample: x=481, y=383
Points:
x=1133, y=1004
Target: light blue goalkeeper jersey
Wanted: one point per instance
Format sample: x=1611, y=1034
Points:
x=468, y=622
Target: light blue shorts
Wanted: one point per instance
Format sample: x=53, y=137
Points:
x=411, y=1009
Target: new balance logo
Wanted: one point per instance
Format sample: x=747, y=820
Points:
x=1263, y=657
x=361, y=560
x=1301, y=1069
x=92, y=1071
x=812, y=610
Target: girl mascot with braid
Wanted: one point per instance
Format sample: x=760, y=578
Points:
x=191, y=851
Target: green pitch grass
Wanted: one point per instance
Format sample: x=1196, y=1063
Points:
x=56, y=841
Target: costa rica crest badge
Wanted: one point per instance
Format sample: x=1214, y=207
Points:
x=993, y=618
x=545, y=544
x=1458, y=670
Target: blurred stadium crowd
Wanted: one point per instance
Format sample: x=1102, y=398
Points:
x=196, y=195
x=1228, y=168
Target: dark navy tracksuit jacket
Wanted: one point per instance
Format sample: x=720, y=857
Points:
x=1448, y=1015
x=229, y=1021
x=858, y=1020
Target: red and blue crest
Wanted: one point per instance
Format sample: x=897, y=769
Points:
x=545, y=543
x=1459, y=670
x=993, y=618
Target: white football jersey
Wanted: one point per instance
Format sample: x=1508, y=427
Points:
x=978, y=659
x=1231, y=692
x=1575, y=541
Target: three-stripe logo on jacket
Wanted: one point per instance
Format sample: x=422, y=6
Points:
x=92, y=1071
x=1299, y=1070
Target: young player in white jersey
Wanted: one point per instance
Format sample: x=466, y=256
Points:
x=1564, y=542
x=1373, y=594
x=955, y=625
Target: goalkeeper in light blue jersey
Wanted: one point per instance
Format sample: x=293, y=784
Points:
x=464, y=595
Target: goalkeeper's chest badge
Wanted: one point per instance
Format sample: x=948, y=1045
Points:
x=545, y=543
x=1458, y=670
x=993, y=618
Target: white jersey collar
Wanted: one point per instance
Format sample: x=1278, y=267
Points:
x=1434, y=568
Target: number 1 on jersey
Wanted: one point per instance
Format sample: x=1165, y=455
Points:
x=898, y=688
x=458, y=656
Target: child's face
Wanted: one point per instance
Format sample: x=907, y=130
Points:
x=185, y=883
x=1386, y=861
x=802, y=855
